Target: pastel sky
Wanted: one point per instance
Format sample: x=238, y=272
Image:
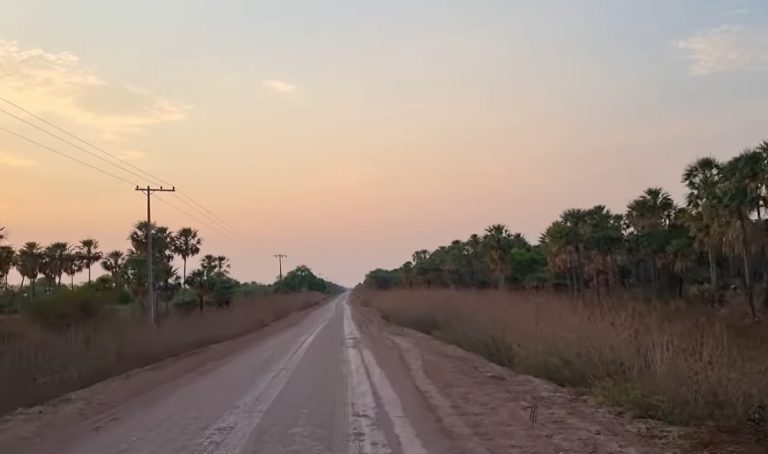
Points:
x=347, y=134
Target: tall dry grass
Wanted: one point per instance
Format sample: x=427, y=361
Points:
x=677, y=364
x=38, y=364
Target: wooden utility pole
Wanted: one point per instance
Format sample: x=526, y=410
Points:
x=280, y=258
x=150, y=275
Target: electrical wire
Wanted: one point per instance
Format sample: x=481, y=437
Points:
x=61, y=153
x=198, y=207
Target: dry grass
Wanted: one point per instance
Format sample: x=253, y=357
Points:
x=674, y=364
x=38, y=364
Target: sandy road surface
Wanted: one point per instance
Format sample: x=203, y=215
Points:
x=313, y=387
x=326, y=381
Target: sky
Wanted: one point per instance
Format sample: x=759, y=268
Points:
x=347, y=134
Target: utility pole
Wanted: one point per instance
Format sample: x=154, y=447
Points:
x=150, y=275
x=280, y=258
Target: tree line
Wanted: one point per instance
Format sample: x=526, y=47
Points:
x=125, y=277
x=125, y=270
x=714, y=243
x=302, y=279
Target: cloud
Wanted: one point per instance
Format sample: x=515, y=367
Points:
x=728, y=48
x=9, y=160
x=58, y=83
x=738, y=12
x=279, y=85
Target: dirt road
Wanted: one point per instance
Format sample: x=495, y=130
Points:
x=328, y=381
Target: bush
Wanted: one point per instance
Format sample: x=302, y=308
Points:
x=9, y=302
x=223, y=291
x=68, y=306
x=186, y=300
x=253, y=289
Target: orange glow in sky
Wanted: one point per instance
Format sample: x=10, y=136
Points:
x=349, y=135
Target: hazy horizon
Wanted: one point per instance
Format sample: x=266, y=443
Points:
x=349, y=135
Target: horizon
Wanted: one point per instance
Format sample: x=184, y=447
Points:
x=348, y=136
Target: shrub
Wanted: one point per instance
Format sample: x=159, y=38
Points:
x=9, y=302
x=66, y=306
x=185, y=299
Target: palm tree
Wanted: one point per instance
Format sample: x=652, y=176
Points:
x=72, y=264
x=406, y=272
x=648, y=220
x=89, y=250
x=703, y=180
x=162, y=253
x=7, y=262
x=199, y=281
x=222, y=265
x=208, y=264
x=114, y=263
x=29, y=259
x=561, y=242
x=742, y=196
x=55, y=258
x=497, y=240
x=602, y=239
x=186, y=243
x=651, y=211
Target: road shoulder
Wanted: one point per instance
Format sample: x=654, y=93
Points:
x=480, y=407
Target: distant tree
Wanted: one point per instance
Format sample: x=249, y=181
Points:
x=55, y=258
x=72, y=264
x=114, y=264
x=135, y=274
x=498, y=242
x=302, y=279
x=208, y=264
x=222, y=265
x=7, y=262
x=186, y=244
x=382, y=279
x=743, y=180
x=199, y=281
x=89, y=253
x=162, y=258
x=30, y=257
x=703, y=178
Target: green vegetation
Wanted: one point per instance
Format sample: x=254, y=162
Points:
x=42, y=296
x=302, y=279
x=712, y=246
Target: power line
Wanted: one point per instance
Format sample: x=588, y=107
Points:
x=80, y=139
x=105, y=172
x=27, y=122
x=155, y=180
x=196, y=219
x=182, y=193
x=61, y=153
x=110, y=174
x=182, y=200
